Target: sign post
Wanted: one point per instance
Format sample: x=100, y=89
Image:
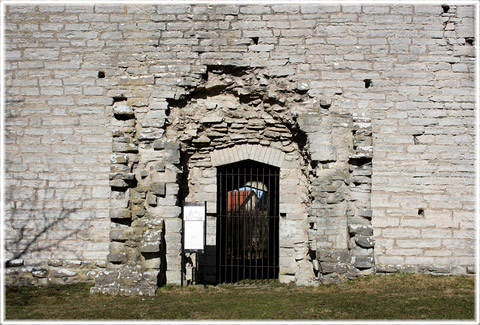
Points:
x=194, y=232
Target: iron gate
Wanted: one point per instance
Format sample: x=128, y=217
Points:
x=247, y=222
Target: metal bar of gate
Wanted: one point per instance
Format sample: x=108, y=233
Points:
x=245, y=219
x=262, y=227
x=267, y=222
x=249, y=220
x=275, y=224
x=250, y=243
x=219, y=225
x=231, y=230
x=254, y=237
x=226, y=232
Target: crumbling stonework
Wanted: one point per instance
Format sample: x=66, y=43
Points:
x=116, y=114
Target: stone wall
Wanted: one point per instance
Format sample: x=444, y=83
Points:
x=115, y=114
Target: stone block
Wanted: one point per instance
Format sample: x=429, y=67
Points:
x=39, y=273
x=120, y=214
x=365, y=241
x=122, y=175
x=15, y=262
x=202, y=140
x=157, y=188
x=138, y=211
x=55, y=263
x=159, y=105
x=326, y=268
x=386, y=268
x=117, y=258
x=278, y=72
x=261, y=48
x=364, y=262
x=212, y=119
x=150, y=247
x=124, y=147
x=61, y=273
x=286, y=278
x=151, y=200
x=152, y=263
x=334, y=256
x=319, y=8
x=359, y=229
x=119, y=234
x=431, y=10
x=366, y=213
x=323, y=153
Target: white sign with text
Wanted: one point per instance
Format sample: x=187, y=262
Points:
x=194, y=227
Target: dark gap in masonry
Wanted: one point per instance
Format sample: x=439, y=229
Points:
x=121, y=98
x=227, y=69
x=469, y=40
x=445, y=8
x=122, y=221
x=101, y=74
x=361, y=161
x=255, y=40
x=150, y=255
x=415, y=139
x=421, y=212
x=119, y=189
x=368, y=83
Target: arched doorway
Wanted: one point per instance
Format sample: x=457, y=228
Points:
x=247, y=222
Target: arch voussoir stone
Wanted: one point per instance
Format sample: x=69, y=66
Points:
x=263, y=154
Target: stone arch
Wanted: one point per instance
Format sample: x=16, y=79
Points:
x=266, y=155
x=224, y=122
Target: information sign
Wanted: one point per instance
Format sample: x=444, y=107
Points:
x=194, y=226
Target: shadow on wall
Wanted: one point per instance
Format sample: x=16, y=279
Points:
x=40, y=227
x=201, y=267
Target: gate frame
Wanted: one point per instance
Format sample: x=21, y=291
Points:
x=293, y=221
x=268, y=265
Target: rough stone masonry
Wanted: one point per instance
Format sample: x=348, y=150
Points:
x=116, y=114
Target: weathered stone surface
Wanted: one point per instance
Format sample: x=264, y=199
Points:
x=387, y=268
x=124, y=147
x=364, y=262
x=59, y=273
x=157, y=189
x=121, y=234
x=120, y=213
x=324, y=153
x=117, y=257
x=326, y=268
x=138, y=211
x=118, y=183
x=202, y=140
x=365, y=213
x=362, y=230
x=392, y=116
x=122, y=175
x=55, y=262
x=365, y=241
x=40, y=273
x=15, y=262
x=211, y=119
x=152, y=200
x=150, y=247
x=124, y=111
